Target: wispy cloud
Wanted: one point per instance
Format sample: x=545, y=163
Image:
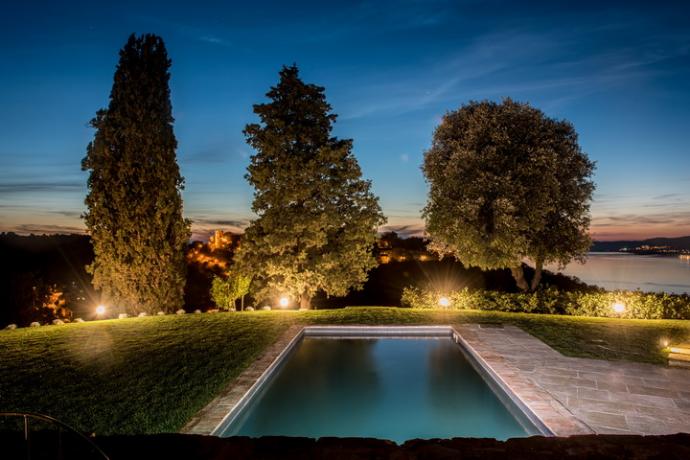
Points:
x=679, y=219
x=66, y=213
x=41, y=187
x=668, y=196
x=215, y=40
x=241, y=223
x=517, y=63
x=405, y=230
x=191, y=32
x=213, y=155
x=405, y=15
x=42, y=229
x=204, y=225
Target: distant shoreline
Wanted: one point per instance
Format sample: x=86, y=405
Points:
x=617, y=270
x=630, y=253
x=650, y=246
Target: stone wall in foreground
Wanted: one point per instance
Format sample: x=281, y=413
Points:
x=670, y=447
x=180, y=446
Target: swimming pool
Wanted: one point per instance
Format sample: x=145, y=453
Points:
x=397, y=384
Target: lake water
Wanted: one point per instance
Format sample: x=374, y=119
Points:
x=386, y=388
x=629, y=272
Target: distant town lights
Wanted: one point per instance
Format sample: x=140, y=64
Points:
x=284, y=302
x=100, y=310
x=619, y=307
x=444, y=301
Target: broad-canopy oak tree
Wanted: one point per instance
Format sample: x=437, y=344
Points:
x=317, y=218
x=507, y=183
x=134, y=203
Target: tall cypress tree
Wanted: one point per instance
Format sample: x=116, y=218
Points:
x=134, y=203
x=317, y=218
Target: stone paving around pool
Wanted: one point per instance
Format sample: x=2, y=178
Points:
x=569, y=395
x=615, y=397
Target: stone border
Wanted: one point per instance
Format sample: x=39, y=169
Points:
x=493, y=379
x=531, y=398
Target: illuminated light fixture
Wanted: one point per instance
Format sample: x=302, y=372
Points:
x=618, y=307
x=665, y=342
x=284, y=302
x=444, y=301
x=100, y=310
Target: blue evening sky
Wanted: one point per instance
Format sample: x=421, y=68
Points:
x=620, y=71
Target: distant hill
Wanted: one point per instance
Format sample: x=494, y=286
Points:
x=681, y=242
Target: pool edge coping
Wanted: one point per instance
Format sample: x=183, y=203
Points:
x=236, y=410
x=477, y=359
x=251, y=380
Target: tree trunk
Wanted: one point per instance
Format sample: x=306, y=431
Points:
x=242, y=304
x=519, y=276
x=305, y=302
x=538, y=266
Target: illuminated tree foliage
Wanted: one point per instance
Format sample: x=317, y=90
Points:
x=222, y=293
x=507, y=183
x=317, y=218
x=225, y=291
x=134, y=201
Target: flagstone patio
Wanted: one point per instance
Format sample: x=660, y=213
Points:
x=604, y=396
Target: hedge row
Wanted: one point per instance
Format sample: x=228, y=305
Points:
x=635, y=304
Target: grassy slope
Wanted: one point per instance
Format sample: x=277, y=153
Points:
x=128, y=376
x=146, y=375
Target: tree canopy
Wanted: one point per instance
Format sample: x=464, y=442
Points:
x=134, y=203
x=507, y=183
x=317, y=218
x=225, y=291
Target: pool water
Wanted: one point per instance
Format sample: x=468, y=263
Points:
x=390, y=388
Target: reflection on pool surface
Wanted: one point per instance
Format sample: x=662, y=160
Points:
x=391, y=388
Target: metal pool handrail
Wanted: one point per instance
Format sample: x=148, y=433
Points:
x=26, y=416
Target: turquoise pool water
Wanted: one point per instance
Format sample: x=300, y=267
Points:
x=390, y=388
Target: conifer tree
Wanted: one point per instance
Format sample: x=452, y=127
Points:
x=317, y=218
x=134, y=202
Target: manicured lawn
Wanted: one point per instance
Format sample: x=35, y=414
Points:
x=148, y=375
x=140, y=375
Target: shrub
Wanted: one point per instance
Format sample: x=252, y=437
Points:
x=222, y=293
x=640, y=305
x=226, y=290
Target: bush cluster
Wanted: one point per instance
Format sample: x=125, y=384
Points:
x=638, y=305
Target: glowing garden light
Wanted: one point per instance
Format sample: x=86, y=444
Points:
x=100, y=310
x=618, y=307
x=284, y=302
x=444, y=301
x=664, y=342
